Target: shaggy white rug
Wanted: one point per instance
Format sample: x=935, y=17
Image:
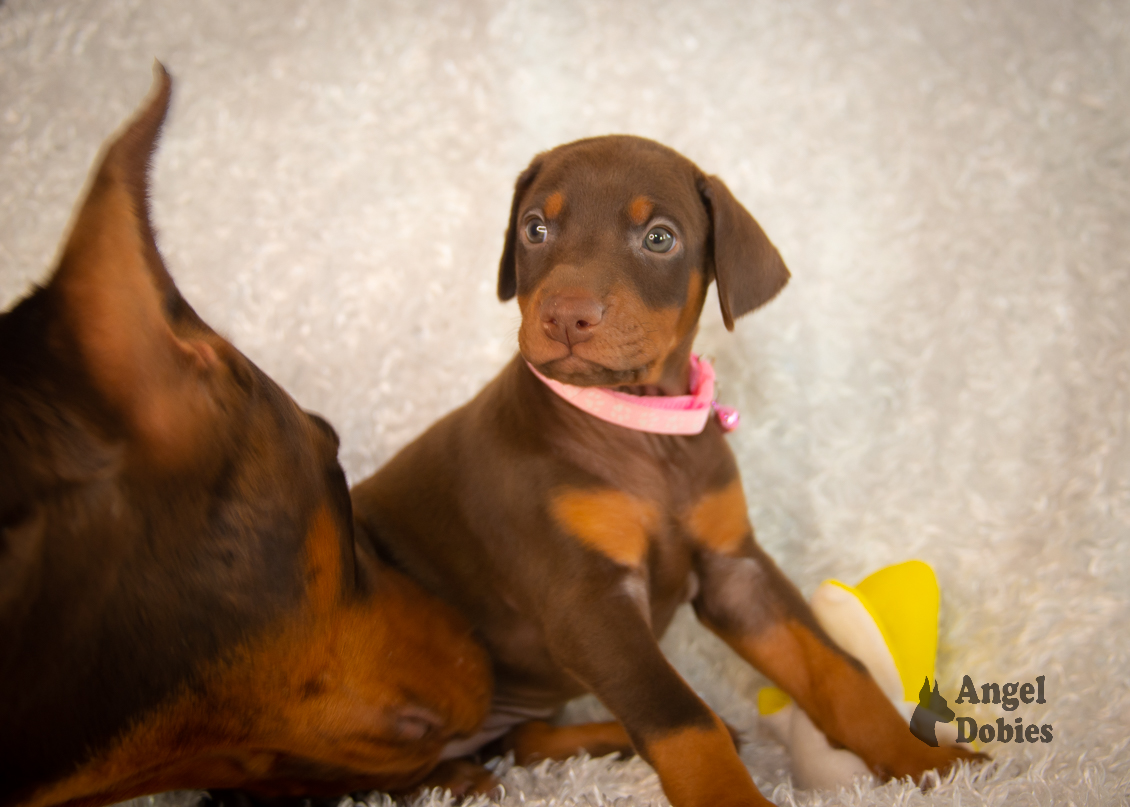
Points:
x=947, y=376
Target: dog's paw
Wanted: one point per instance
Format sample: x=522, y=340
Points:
x=920, y=761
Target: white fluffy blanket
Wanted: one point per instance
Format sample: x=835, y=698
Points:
x=947, y=376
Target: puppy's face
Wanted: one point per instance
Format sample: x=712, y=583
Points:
x=610, y=261
x=611, y=246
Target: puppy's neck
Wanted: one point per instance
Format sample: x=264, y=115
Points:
x=663, y=390
x=674, y=376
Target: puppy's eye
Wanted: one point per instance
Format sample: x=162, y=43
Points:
x=659, y=239
x=536, y=231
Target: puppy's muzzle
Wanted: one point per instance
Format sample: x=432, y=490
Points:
x=570, y=318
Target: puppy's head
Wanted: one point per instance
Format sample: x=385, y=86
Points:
x=611, y=245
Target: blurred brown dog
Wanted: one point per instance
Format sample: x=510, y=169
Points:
x=182, y=602
x=568, y=540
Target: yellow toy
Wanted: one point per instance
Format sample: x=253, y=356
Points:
x=890, y=623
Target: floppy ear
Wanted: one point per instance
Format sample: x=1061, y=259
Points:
x=112, y=299
x=747, y=267
x=507, y=267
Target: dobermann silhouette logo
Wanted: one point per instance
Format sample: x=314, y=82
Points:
x=932, y=709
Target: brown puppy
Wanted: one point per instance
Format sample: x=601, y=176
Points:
x=569, y=541
x=182, y=602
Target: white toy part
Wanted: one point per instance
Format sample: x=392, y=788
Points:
x=890, y=623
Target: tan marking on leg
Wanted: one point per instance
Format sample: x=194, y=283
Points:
x=537, y=740
x=554, y=203
x=640, y=209
x=719, y=519
x=699, y=767
x=843, y=700
x=609, y=521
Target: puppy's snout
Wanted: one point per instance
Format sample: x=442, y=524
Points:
x=570, y=318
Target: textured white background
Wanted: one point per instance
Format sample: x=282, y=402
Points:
x=946, y=377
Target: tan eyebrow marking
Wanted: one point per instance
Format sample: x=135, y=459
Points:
x=554, y=204
x=640, y=209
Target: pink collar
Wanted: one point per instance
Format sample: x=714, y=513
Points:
x=678, y=414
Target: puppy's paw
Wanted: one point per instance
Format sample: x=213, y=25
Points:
x=917, y=762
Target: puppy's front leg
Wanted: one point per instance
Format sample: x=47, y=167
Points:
x=605, y=642
x=746, y=600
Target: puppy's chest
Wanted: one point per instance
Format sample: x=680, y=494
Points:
x=649, y=504
x=654, y=528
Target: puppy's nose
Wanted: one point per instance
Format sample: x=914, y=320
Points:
x=570, y=318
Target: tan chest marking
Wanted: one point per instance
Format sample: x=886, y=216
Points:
x=609, y=521
x=719, y=519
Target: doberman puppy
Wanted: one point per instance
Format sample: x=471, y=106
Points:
x=182, y=601
x=569, y=540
